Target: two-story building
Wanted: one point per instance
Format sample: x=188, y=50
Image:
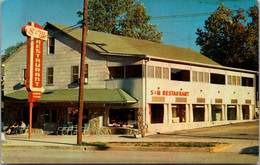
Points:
x=130, y=84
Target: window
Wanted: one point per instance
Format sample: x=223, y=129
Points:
x=238, y=80
x=122, y=117
x=178, y=113
x=180, y=75
x=51, y=45
x=158, y=72
x=166, y=73
x=229, y=80
x=216, y=112
x=206, y=77
x=116, y=72
x=54, y=116
x=86, y=74
x=24, y=74
x=234, y=78
x=75, y=74
x=217, y=78
x=194, y=76
x=49, y=76
x=247, y=81
x=150, y=72
x=200, y=76
x=134, y=71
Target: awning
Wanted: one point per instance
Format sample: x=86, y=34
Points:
x=90, y=96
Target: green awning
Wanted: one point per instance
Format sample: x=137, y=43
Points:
x=90, y=96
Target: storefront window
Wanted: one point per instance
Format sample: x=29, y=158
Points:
x=122, y=117
x=216, y=112
x=180, y=75
x=73, y=116
x=178, y=113
x=198, y=113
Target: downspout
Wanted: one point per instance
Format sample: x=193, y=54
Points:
x=145, y=105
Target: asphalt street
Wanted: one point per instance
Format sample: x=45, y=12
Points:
x=123, y=157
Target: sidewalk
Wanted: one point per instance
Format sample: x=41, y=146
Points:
x=68, y=142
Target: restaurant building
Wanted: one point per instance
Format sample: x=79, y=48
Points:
x=130, y=84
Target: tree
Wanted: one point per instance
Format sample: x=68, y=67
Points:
x=230, y=38
x=10, y=50
x=121, y=17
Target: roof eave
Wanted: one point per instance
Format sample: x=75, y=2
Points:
x=201, y=64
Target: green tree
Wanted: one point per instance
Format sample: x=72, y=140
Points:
x=231, y=38
x=121, y=17
x=10, y=50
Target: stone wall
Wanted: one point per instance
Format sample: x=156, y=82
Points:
x=96, y=123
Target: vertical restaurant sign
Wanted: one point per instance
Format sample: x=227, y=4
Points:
x=35, y=36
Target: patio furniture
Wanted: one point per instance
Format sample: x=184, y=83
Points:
x=85, y=128
x=62, y=129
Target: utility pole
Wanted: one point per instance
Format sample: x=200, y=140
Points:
x=82, y=71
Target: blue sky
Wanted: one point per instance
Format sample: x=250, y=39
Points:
x=178, y=29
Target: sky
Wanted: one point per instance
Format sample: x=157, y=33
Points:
x=177, y=19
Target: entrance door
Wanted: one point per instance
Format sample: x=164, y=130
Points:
x=231, y=112
x=198, y=113
x=157, y=113
x=245, y=111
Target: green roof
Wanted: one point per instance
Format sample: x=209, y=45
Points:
x=116, y=44
x=90, y=95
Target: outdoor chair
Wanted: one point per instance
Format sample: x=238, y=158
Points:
x=74, y=130
x=85, y=128
x=62, y=129
x=69, y=129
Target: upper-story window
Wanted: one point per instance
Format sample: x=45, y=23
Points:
x=50, y=74
x=116, y=72
x=246, y=81
x=75, y=74
x=134, y=71
x=120, y=72
x=166, y=73
x=200, y=77
x=158, y=72
x=150, y=72
x=51, y=45
x=180, y=75
x=233, y=80
x=217, y=78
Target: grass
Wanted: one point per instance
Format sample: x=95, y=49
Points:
x=98, y=144
x=151, y=144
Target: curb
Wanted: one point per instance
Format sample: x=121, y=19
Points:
x=120, y=148
x=220, y=147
